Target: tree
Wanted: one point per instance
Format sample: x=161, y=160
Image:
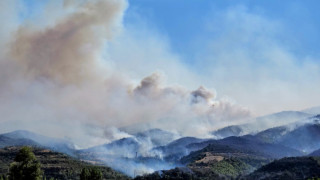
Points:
x=91, y=174
x=25, y=166
x=3, y=177
x=85, y=174
x=96, y=174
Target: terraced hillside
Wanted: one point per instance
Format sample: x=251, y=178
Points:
x=56, y=165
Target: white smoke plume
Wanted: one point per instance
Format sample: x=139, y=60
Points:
x=55, y=80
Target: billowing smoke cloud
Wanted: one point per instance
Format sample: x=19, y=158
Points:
x=54, y=74
x=56, y=81
x=66, y=53
x=202, y=94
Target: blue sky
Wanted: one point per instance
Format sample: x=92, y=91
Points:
x=31, y=8
x=184, y=21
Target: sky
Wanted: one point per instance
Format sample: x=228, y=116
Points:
x=201, y=64
x=267, y=51
x=204, y=32
x=184, y=21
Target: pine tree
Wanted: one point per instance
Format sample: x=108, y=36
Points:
x=25, y=166
x=96, y=174
x=85, y=174
x=91, y=174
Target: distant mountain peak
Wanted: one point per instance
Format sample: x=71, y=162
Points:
x=313, y=110
x=317, y=116
x=26, y=137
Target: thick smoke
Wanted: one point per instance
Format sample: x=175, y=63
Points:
x=54, y=80
x=202, y=94
x=67, y=52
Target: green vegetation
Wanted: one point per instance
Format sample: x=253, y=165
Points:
x=25, y=166
x=224, y=161
x=213, y=148
x=91, y=174
x=289, y=168
x=85, y=174
x=174, y=174
x=182, y=174
x=56, y=165
x=3, y=177
x=232, y=167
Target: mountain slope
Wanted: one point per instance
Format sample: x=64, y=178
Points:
x=7, y=141
x=233, y=156
x=272, y=135
x=125, y=147
x=139, y=144
x=55, y=165
x=261, y=123
x=315, y=153
x=249, y=144
x=178, y=148
x=288, y=168
x=128, y=155
x=313, y=110
x=235, y=130
x=179, y=174
x=30, y=138
x=303, y=136
x=158, y=137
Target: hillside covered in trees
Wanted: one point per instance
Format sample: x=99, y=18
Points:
x=56, y=165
